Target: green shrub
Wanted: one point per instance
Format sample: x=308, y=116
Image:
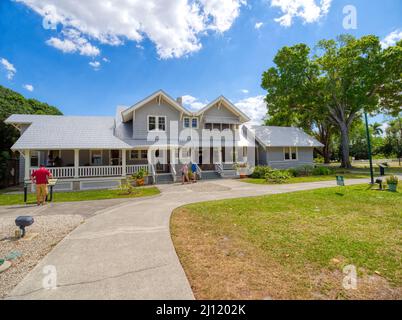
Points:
x=140, y=174
x=260, y=172
x=319, y=159
x=302, y=171
x=277, y=176
x=322, y=171
x=126, y=186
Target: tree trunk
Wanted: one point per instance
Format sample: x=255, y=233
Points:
x=345, y=161
x=326, y=153
x=324, y=136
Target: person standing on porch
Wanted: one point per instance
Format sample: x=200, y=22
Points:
x=184, y=173
x=40, y=177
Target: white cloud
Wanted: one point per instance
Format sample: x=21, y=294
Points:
x=258, y=25
x=9, y=67
x=308, y=10
x=29, y=87
x=95, y=64
x=193, y=103
x=245, y=91
x=254, y=107
x=175, y=27
x=391, y=39
x=105, y=60
x=73, y=42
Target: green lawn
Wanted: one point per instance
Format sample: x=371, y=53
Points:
x=364, y=167
x=293, y=245
x=309, y=179
x=13, y=199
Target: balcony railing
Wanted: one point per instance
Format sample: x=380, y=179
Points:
x=94, y=171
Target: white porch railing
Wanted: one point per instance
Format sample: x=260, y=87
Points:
x=93, y=171
x=130, y=169
x=60, y=172
x=100, y=171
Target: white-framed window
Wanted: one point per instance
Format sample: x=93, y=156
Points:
x=186, y=122
x=35, y=158
x=208, y=126
x=156, y=123
x=138, y=154
x=190, y=122
x=95, y=157
x=194, y=123
x=290, y=153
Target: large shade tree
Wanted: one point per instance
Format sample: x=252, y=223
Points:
x=341, y=80
x=12, y=102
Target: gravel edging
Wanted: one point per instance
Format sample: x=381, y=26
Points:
x=50, y=229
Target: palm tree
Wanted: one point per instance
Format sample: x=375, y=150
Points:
x=377, y=129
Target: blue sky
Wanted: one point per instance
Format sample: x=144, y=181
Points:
x=198, y=51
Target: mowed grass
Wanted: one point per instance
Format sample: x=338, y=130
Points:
x=293, y=246
x=14, y=199
x=310, y=178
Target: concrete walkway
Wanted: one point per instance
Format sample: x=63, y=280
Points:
x=125, y=251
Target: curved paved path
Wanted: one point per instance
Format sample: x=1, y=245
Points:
x=125, y=251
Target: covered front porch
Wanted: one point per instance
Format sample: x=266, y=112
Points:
x=67, y=164
x=106, y=163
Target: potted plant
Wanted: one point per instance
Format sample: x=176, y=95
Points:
x=242, y=169
x=139, y=177
x=392, y=183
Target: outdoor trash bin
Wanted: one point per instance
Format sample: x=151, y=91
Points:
x=22, y=222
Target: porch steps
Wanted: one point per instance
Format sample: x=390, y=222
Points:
x=210, y=175
x=164, y=178
x=229, y=174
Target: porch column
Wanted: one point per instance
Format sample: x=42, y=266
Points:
x=76, y=162
x=27, y=155
x=124, y=162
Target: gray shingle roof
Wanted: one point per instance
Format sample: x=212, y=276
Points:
x=66, y=132
x=284, y=137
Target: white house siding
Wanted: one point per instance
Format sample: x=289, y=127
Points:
x=140, y=124
x=276, y=157
x=221, y=112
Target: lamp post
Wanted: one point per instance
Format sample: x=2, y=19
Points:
x=369, y=149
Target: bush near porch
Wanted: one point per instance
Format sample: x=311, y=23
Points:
x=267, y=175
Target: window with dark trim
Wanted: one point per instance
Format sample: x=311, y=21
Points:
x=290, y=153
x=186, y=122
x=156, y=123
x=162, y=123
x=151, y=123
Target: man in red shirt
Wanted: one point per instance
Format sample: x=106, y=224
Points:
x=40, y=178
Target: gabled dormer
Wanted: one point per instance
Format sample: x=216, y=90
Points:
x=154, y=114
